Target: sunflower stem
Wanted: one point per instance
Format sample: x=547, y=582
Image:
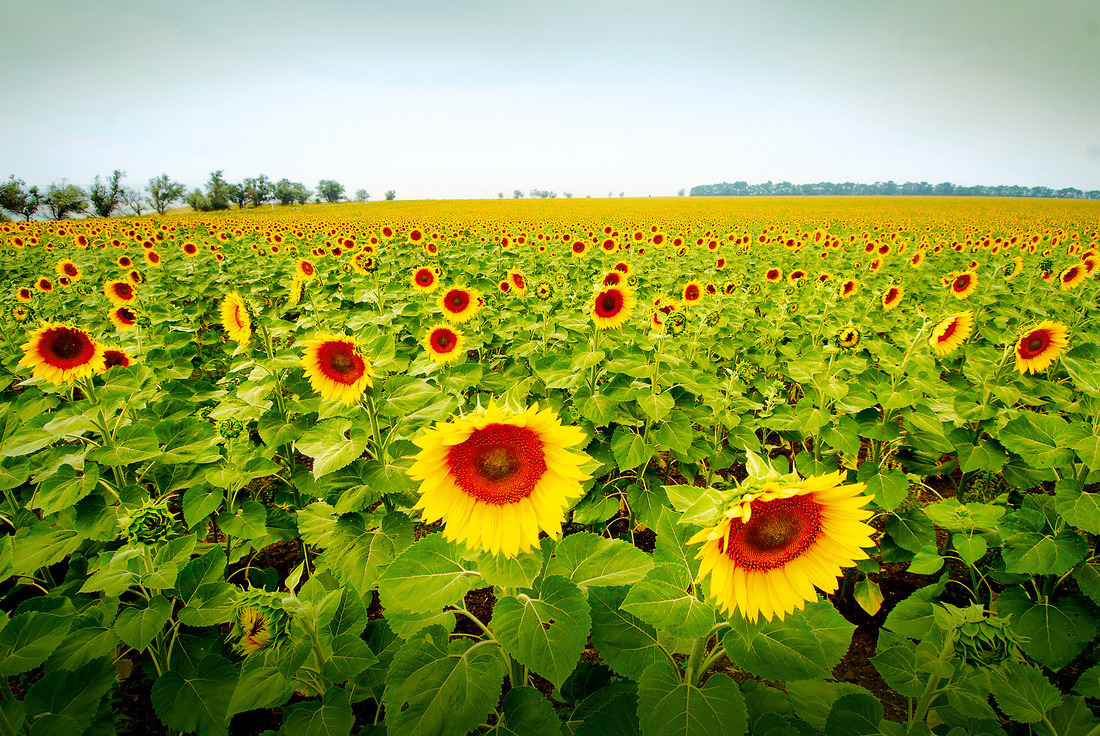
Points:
x=698, y=650
x=372, y=413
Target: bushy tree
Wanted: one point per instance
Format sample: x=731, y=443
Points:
x=217, y=190
x=517, y=194
x=258, y=190
x=17, y=199
x=64, y=199
x=106, y=196
x=361, y=195
x=163, y=192
x=391, y=194
x=330, y=190
x=286, y=191
x=198, y=201
x=236, y=194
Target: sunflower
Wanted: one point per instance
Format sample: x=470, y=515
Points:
x=68, y=269
x=519, y=283
x=849, y=288
x=305, y=270
x=892, y=297
x=611, y=307
x=499, y=477
x=189, y=249
x=848, y=337
x=796, y=275
x=424, y=280
x=119, y=292
x=1037, y=348
x=774, y=275
x=693, y=292
x=256, y=631
x=19, y=313
x=123, y=317
x=1073, y=276
x=964, y=284
x=61, y=353
x=1013, y=270
x=24, y=294
x=335, y=367
x=459, y=304
x=235, y=320
x=544, y=291
x=774, y=545
x=114, y=357
x=44, y=285
x=579, y=248
x=124, y=262
x=951, y=332
x=295, y=294
x=444, y=344
x=135, y=277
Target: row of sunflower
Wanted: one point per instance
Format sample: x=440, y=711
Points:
x=454, y=473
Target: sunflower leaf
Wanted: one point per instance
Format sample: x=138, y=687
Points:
x=200, y=702
x=547, y=633
x=665, y=598
x=525, y=712
x=629, y=448
x=625, y=642
x=427, y=576
x=331, y=716
x=332, y=444
x=1023, y=693
x=591, y=560
x=667, y=705
x=1040, y=439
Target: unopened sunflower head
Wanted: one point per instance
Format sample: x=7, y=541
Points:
x=261, y=621
x=150, y=523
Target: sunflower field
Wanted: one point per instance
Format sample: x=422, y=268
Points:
x=774, y=467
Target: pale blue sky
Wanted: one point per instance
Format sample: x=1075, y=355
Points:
x=467, y=98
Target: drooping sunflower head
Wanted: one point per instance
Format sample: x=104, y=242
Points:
x=1073, y=276
x=892, y=297
x=612, y=306
x=123, y=317
x=261, y=621
x=1037, y=348
x=235, y=318
x=849, y=288
x=498, y=477
x=335, y=367
x=951, y=332
x=444, y=344
x=848, y=337
x=60, y=353
x=781, y=540
x=459, y=304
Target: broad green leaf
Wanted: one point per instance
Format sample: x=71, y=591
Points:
x=1023, y=693
x=868, y=595
x=970, y=549
x=199, y=501
x=813, y=699
x=435, y=688
x=775, y=651
x=911, y=531
x=260, y=686
x=526, y=712
x=629, y=448
x=1031, y=553
x=1037, y=438
x=212, y=603
x=427, y=576
x=666, y=705
x=32, y=636
x=590, y=560
x=276, y=433
x=889, y=488
x=1052, y=635
x=546, y=634
x=510, y=572
x=64, y=488
x=331, y=716
x=672, y=545
x=332, y=444
x=625, y=642
x=132, y=443
x=854, y=715
x=896, y=660
x=656, y=406
x=926, y=561
x=982, y=454
x=1088, y=684
x=90, y=637
x=665, y=598
x=247, y=522
x=350, y=656
x=914, y=617
x=197, y=703
x=75, y=694
x=1079, y=508
x=187, y=440
x=1088, y=449
x=1072, y=717
x=137, y=625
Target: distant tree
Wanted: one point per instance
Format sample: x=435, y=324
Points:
x=217, y=190
x=680, y=193
x=64, y=199
x=163, y=192
x=259, y=190
x=15, y=198
x=543, y=194
x=301, y=192
x=610, y=194
x=361, y=195
x=622, y=194
x=391, y=194
x=236, y=194
x=106, y=196
x=329, y=190
x=198, y=201
x=500, y=195
x=132, y=199
x=567, y=195
x=284, y=191
x=517, y=194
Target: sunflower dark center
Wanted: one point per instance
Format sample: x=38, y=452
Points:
x=609, y=302
x=67, y=345
x=1037, y=343
x=498, y=464
x=778, y=531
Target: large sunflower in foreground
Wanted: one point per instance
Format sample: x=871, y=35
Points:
x=335, y=367
x=611, y=307
x=775, y=545
x=1037, y=348
x=499, y=477
x=61, y=353
x=951, y=332
x=235, y=320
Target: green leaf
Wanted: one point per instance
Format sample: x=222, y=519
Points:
x=814, y=699
x=378, y=478
x=987, y=454
x=889, y=488
x=629, y=448
x=625, y=642
x=138, y=625
x=427, y=576
x=546, y=634
x=911, y=531
x=435, y=688
x=1078, y=508
x=247, y=522
x=260, y=686
x=90, y=637
x=914, y=617
x=332, y=444
x=807, y=644
x=1037, y=438
x=672, y=543
x=970, y=549
x=868, y=595
x=276, y=433
x=854, y=715
x=187, y=440
x=32, y=636
x=666, y=705
x=1031, y=553
x=1072, y=717
x=198, y=703
x=665, y=599
x=76, y=694
x=64, y=488
x=405, y=395
x=510, y=572
x=926, y=561
x=1088, y=684
x=1052, y=635
x=1088, y=449
x=656, y=406
x=1023, y=693
x=330, y=716
x=27, y=440
x=525, y=712
x=212, y=603
x=350, y=656
x=199, y=501
x=590, y=560
x=896, y=660
x=133, y=443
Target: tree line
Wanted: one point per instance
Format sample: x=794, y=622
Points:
x=884, y=188
x=108, y=196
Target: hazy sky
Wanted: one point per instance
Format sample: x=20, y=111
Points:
x=468, y=98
